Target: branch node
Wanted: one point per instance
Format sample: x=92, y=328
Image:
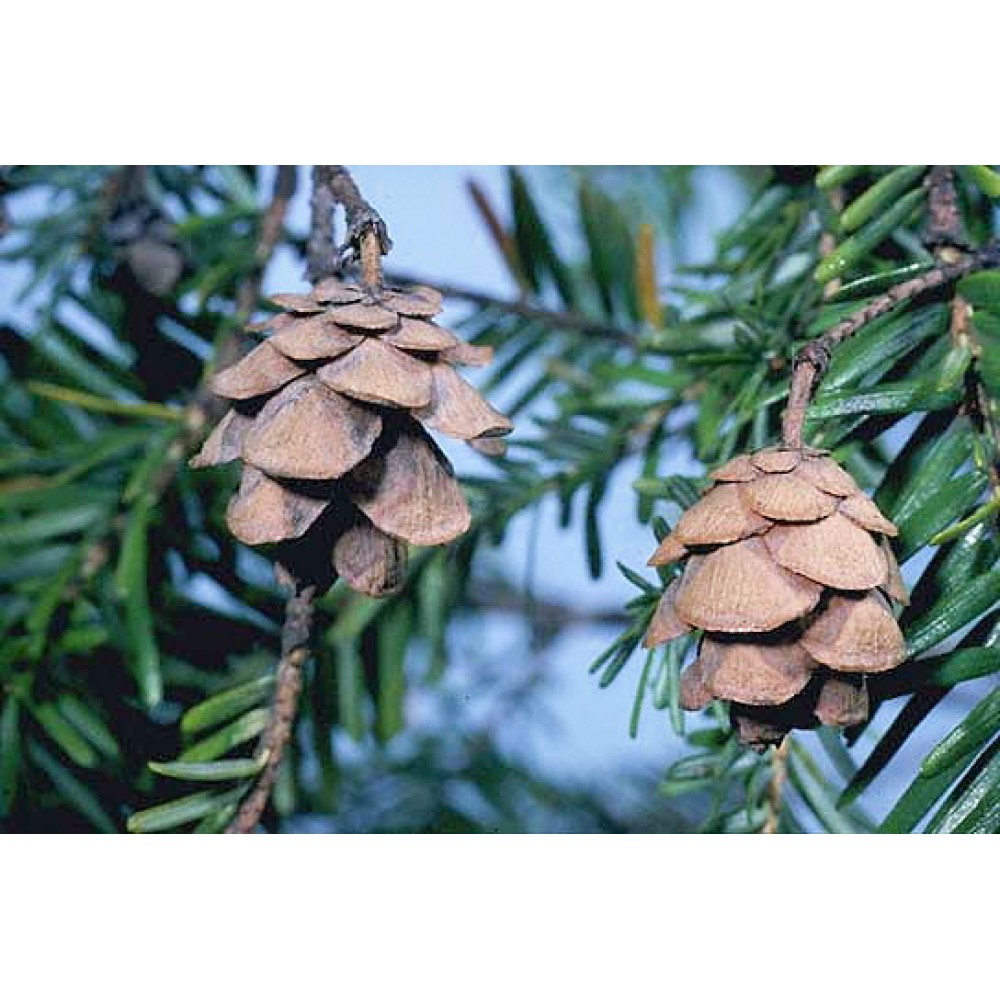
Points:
x=366, y=230
x=813, y=359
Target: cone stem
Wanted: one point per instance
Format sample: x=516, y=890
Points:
x=367, y=234
x=804, y=378
x=371, y=259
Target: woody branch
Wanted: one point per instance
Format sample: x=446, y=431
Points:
x=367, y=236
x=812, y=360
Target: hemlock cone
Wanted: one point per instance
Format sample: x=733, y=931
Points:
x=789, y=573
x=328, y=418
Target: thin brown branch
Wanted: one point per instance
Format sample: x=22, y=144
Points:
x=321, y=257
x=295, y=635
x=559, y=319
x=776, y=787
x=812, y=360
x=332, y=186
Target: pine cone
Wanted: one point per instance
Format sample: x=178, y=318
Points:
x=788, y=571
x=328, y=419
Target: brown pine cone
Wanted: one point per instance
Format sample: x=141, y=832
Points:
x=788, y=571
x=328, y=419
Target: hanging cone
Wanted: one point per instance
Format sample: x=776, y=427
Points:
x=783, y=564
x=326, y=418
x=370, y=561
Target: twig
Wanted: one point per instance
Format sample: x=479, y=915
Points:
x=776, y=787
x=332, y=186
x=812, y=360
x=553, y=317
x=321, y=260
x=288, y=683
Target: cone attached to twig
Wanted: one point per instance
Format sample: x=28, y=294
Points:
x=329, y=417
x=788, y=572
